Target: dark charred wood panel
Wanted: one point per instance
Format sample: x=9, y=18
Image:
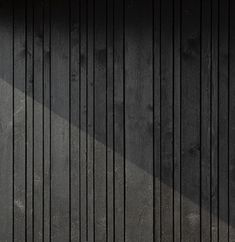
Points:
x=117, y=120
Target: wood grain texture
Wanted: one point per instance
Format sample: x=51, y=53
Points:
x=166, y=86
x=19, y=127
x=223, y=132
x=60, y=153
x=117, y=120
x=231, y=90
x=119, y=164
x=205, y=120
x=75, y=119
x=138, y=121
x=38, y=125
x=100, y=124
x=190, y=120
x=6, y=123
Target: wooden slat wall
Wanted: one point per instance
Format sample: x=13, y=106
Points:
x=117, y=120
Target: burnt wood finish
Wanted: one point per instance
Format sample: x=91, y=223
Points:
x=117, y=120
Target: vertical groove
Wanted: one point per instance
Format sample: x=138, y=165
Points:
x=218, y=129
x=160, y=105
x=69, y=143
x=13, y=119
x=114, y=136
x=228, y=118
x=180, y=120
x=87, y=107
x=211, y=51
x=79, y=139
x=153, y=77
x=50, y=104
x=106, y=120
x=173, y=118
x=33, y=6
x=94, y=80
x=200, y=126
x=124, y=116
x=25, y=103
x=43, y=119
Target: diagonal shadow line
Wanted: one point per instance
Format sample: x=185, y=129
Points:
x=101, y=139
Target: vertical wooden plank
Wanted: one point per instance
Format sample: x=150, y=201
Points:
x=223, y=121
x=83, y=120
x=205, y=119
x=214, y=123
x=110, y=121
x=74, y=99
x=46, y=121
x=138, y=153
x=60, y=217
x=19, y=121
x=90, y=121
x=29, y=120
x=38, y=121
x=166, y=120
x=177, y=119
x=119, y=213
x=6, y=123
x=100, y=120
x=190, y=120
x=231, y=123
x=157, y=119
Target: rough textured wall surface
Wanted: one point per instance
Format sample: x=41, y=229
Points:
x=117, y=120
